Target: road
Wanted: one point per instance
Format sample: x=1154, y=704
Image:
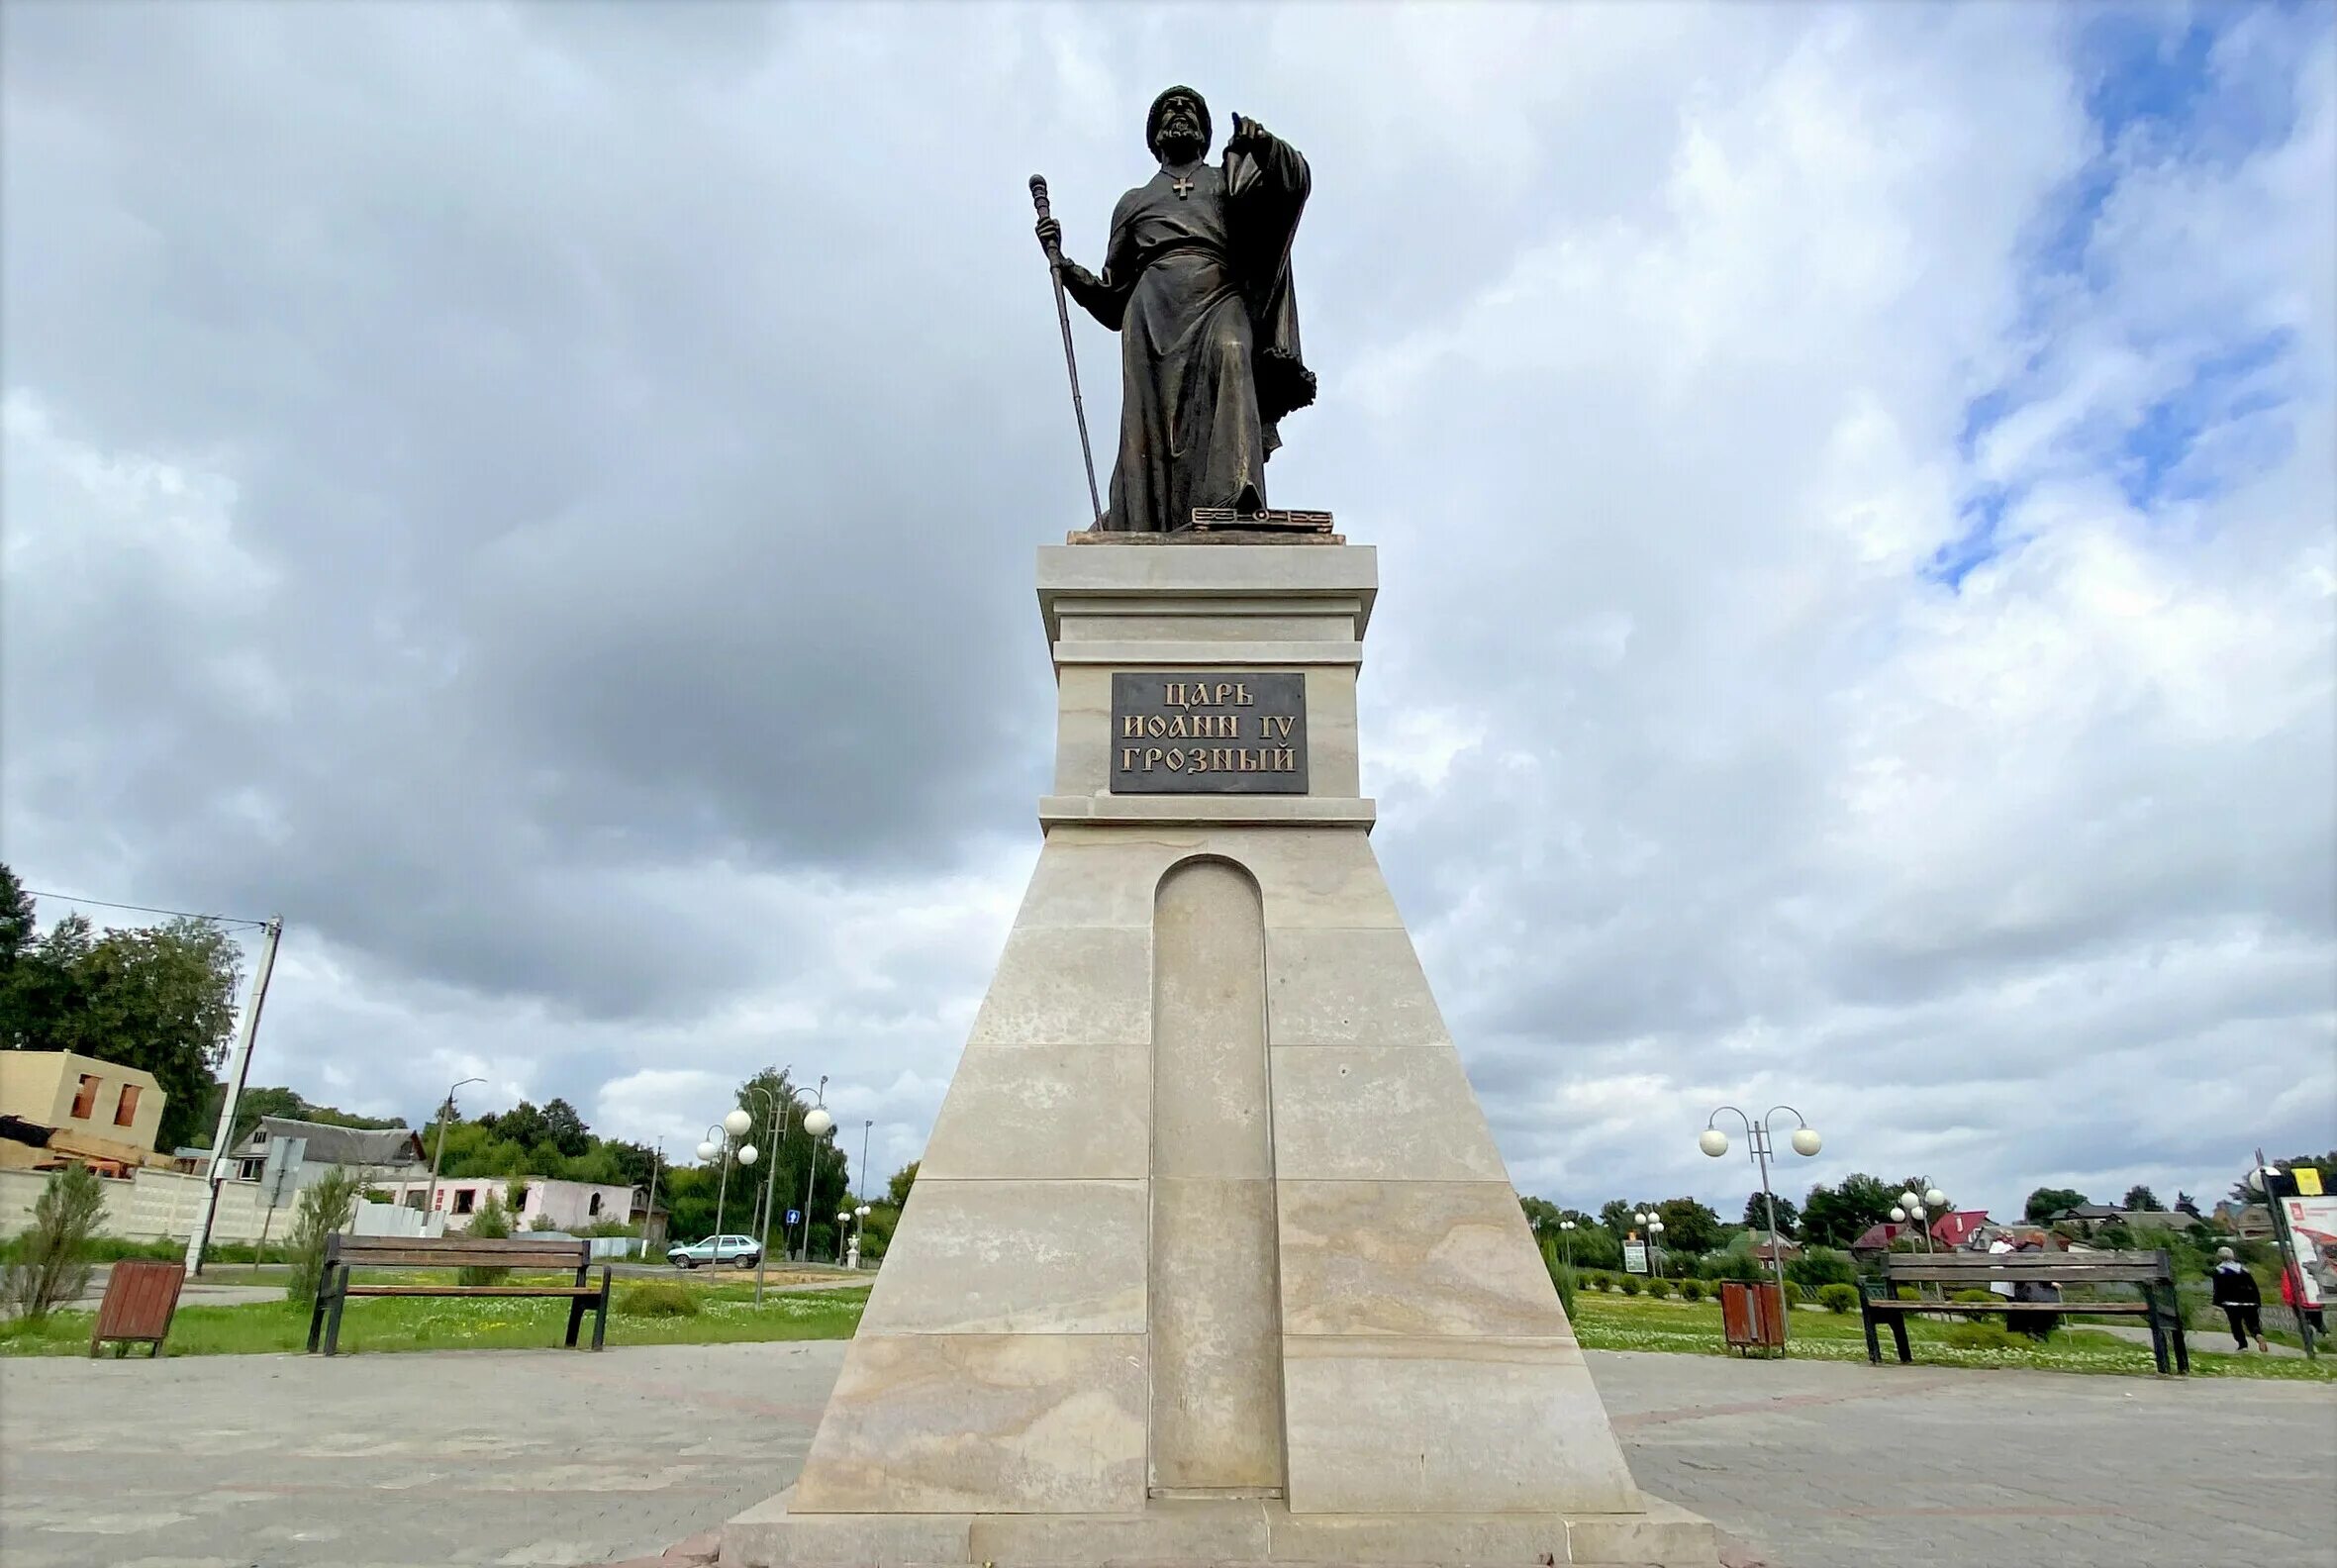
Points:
x=553, y=1457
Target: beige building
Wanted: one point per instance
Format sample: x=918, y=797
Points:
x=83, y=1097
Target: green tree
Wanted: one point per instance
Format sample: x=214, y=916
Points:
x=162, y=999
x=1540, y=1213
x=2046, y=1202
x=897, y=1189
x=1616, y=1216
x=1838, y=1216
x=2326, y=1164
x=327, y=1205
x=2142, y=1200
x=566, y=1130
x=266, y=1100
x=523, y=1124
x=1690, y=1227
x=1789, y=1218
x=50, y=1262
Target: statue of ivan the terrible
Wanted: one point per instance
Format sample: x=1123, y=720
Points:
x=1197, y=283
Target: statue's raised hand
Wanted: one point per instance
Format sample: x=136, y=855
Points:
x=1246, y=131
x=1050, y=234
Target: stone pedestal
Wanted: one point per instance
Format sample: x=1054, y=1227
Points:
x=1211, y=1257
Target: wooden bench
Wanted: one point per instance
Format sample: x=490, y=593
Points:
x=2149, y=1272
x=345, y=1252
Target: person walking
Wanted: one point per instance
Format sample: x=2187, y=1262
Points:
x=2236, y=1292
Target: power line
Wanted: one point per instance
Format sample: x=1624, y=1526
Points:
x=143, y=909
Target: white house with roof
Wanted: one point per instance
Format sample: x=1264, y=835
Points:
x=546, y=1203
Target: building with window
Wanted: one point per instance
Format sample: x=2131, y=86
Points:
x=98, y=1110
x=380, y=1156
x=544, y=1203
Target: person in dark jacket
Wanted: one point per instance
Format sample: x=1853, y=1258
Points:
x=2236, y=1292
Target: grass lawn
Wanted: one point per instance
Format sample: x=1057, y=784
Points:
x=727, y=1315
x=1608, y=1322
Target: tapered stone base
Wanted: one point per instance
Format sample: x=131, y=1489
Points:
x=1212, y=1259
x=1227, y=1535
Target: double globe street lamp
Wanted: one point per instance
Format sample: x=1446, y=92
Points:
x=717, y=1146
x=1806, y=1143
x=1566, y=1239
x=818, y=1123
x=1655, y=1239
x=1919, y=1210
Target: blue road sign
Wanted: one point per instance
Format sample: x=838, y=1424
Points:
x=794, y=1216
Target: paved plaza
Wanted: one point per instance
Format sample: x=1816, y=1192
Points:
x=549, y=1457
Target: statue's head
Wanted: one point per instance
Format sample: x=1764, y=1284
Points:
x=1177, y=129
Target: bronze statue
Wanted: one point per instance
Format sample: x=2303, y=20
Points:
x=1197, y=282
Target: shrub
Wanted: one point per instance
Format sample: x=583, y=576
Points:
x=658, y=1298
x=1819, y=1268
x=491, y=1223
x=1837, y=1297
x=1734, y=1266
x=1563, y=1278
x=326, y=1205
x=1659, y=1287
x=1978, y=1334
x=50, y=1262
x=1603, y=1281
x=1907, y=1293
x=1630, y=1285
x=1692, y=1290
x=1975, y=1296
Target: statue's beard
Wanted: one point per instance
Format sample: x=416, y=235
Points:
x=1179, y=147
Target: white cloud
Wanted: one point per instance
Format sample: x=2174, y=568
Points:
x=542, y=500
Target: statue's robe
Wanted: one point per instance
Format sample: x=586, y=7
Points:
x=1198, y=285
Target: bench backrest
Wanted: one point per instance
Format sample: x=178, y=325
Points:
x=457, y=1253
x=2043, y=1268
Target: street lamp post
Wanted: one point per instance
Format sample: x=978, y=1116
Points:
x=859, y=1232
x=1566, y=1239
x=430, y=1203
x=1806, y=1143
x=716, y=1146
x=1655, y=1244
x=1921, y=1210
x=815, y=1124
x=762, y=1224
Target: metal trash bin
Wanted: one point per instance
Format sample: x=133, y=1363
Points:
x=1753, y=1317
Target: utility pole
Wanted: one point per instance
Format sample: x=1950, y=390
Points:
x=445, y=1108
x=238, y=1070
x=649, y=1216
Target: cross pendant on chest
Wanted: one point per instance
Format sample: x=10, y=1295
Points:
x=1181, y=185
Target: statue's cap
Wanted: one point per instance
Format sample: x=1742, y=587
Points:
x=1152, y=118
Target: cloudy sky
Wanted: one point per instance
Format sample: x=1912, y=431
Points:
x=545, y=498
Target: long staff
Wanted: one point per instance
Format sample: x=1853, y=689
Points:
x=1054, y=250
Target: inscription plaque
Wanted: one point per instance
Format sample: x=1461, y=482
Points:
x=1208, y=733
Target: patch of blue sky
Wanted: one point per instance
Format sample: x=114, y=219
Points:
x=2232, y=387
x=2156, y=89
x=1980, y=541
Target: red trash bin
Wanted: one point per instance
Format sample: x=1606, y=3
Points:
x=1752, y=1317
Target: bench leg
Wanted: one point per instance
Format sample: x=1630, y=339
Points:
x=600, y=1323
x=317, y=1312
x=340, y=1295
x=2181, y=1350
x=2158, y=1344
x=1898, y=1337
x=1873, y=1345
